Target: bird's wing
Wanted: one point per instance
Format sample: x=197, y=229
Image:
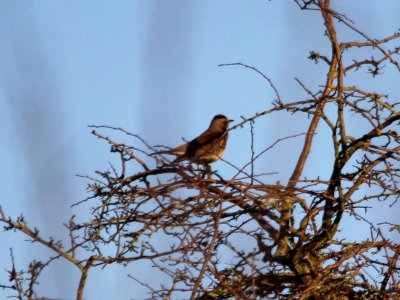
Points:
x=206, y=137
x=202, y=143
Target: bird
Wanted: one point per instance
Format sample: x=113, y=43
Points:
x=208, y=147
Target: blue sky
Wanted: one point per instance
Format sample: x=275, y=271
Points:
x=150, y=67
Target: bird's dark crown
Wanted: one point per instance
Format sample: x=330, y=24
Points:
x=220, y=117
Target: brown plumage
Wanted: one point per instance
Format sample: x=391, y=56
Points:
x=208, y=147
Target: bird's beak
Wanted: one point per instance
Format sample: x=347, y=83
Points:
x=229, y=121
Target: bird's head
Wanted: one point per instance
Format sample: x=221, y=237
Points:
x=220, y=123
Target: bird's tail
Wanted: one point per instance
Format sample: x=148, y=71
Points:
x=170, y=152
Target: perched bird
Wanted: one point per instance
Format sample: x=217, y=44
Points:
x=208, y=147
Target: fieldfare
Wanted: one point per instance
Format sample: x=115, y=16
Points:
x=208, y=147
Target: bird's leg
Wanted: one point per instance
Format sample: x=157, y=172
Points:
x=206, y=172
